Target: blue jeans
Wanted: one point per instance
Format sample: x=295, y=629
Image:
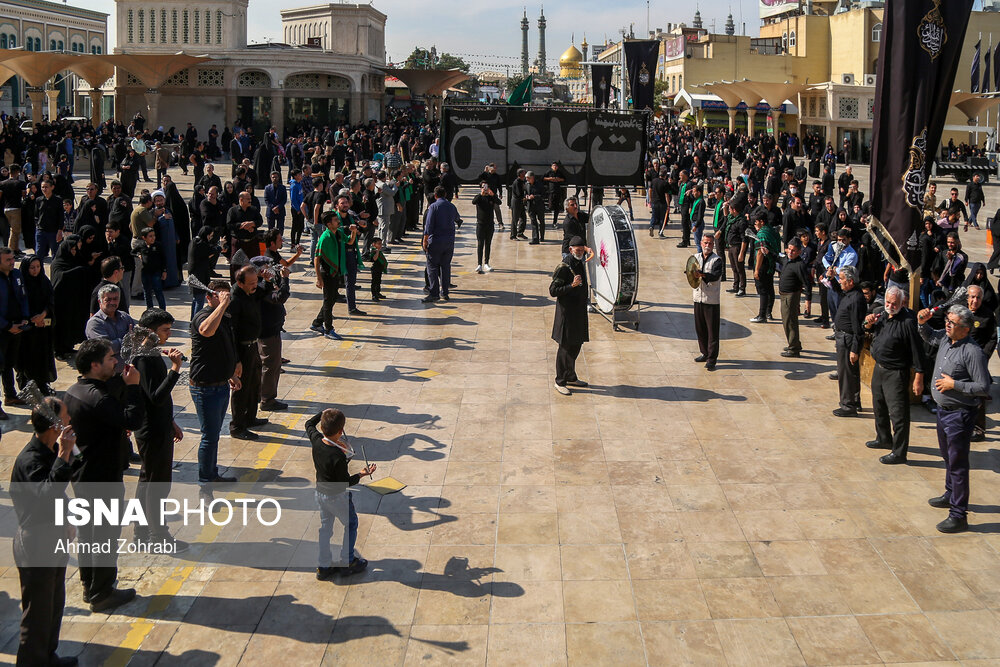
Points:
x=329, y=509
x=197, y=303
x=698, y=231
x=211, y=404
x=656, y=216
x=973, y=213
x=153, y=284
x=44, y=241
x=926, y=289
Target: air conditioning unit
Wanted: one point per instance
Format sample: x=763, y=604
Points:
x=871, y=79
x=847, y=79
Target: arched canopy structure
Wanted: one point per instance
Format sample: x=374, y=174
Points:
x=429, y=83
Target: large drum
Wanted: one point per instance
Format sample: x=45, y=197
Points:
x=614, y=270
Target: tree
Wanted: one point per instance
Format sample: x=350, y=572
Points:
x=659, y=87
x=422, y=58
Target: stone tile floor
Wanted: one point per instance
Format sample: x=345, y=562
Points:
x=665, y=515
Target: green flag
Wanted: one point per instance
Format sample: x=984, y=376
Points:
x=521, y=94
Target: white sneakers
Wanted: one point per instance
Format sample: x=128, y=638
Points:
x=487, y=268
x=563, y=390
x=479, y=269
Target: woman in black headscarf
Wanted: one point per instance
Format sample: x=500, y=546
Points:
x=92, y=247
x=36, y=360
x=130, y=172
x=71, y=289
x=182, y=220
x=978, y=275
x=202, y=256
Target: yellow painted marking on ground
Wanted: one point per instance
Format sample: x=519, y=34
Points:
x=141, y=627
x=427, y=374
x=346, y=345
x=451, y=311
x=331, y=364
x=309, y=394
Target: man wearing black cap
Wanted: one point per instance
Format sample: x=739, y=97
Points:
x=569, y=329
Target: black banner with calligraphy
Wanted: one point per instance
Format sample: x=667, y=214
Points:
x=917, y=63
x=601, y=148
x=640, y=61
x=601, y=84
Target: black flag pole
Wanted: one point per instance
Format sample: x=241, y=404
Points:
x=918, y=61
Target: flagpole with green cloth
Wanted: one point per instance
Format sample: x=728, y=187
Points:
x=522, y=94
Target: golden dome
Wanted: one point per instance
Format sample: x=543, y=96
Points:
x=569, y=63
x=571, y=56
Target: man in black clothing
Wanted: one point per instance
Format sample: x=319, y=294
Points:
x=274, y=289
x=38, y=479
x=794, y=279
x=155, y=438
x=48, y=220
x=535, y=201
x=975, y=199
x=955, y=206
x=93, y=211
x=243, y=221
x=816, y=200
x=574, y=224
x=984, y=332
x=246, y=323
x=896, y=348
x=844, y=184
x=794, y=219
x=13, y=321
x=215, y=370
x=848, y=322
x=100, y=419
x=212, y=213
x=517, y=192
x=570, y=327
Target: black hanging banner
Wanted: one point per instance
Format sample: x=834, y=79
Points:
x=996, y=69
x=974, y=87
x=918, y=60
x=640, y=60
x=601, y=148
x=601, y=84
x=987, y=80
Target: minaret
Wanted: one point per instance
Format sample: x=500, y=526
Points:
x=697, y=20
x=583, y=47
x=541, y=44
x=524, y=43
x=730, y=25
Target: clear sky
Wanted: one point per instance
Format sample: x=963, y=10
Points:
x=487, y=33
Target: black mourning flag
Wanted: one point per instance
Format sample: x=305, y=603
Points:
x=640, y=59
x=974, y=86
x=917, y=64
x=986, y=71
x=996, y=69
x=601, y=82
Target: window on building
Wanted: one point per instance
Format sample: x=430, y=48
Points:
x=163, y=26
x=11, y=41
x=52, y=45
x=218, y=27
x=152, y=26
x=38, y=43
x=142, y=26
x=197, y=27
x=791, y=39
x=877, y=32
x=185, y=29
x=3, y=41
x=208, y=27
x=173, y=26
x=131, y=26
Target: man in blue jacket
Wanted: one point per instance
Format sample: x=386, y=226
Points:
x=439, y=244
x=275, y=199
x=13, y=320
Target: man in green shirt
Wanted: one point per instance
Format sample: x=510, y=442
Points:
x=330, y=263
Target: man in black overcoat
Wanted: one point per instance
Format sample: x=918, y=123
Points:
x=569, y=329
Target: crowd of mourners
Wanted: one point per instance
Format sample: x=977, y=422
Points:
x=84, y=261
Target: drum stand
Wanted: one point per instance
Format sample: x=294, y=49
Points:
x=617, y=318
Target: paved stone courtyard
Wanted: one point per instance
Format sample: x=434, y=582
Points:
x=665, y=515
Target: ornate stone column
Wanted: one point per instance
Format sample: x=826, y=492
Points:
x=775, y=117
x=732, y=120
x=751, y=114
x=278, y=111
x=53, y=110
x=96, y=102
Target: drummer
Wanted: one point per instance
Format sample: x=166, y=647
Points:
x=706, y=301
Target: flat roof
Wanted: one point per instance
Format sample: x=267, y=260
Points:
x=60, y=8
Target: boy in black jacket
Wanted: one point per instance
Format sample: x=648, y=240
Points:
x=154, y=268
x=380, y=265
x=331, y=452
